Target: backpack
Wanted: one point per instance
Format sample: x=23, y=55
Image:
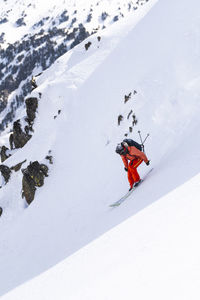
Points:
x=131, y=142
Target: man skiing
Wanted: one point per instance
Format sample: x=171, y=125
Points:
x=136, y=157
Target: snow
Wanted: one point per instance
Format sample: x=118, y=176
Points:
x=132, y=260
x=35, y=11
x=68, y=243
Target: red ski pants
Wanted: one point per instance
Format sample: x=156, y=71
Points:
x=133, y=175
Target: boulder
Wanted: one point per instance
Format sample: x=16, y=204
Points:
x=31, y=107
x=5, y=171
x=33, y=177
x=4, y=154
x=18, y=137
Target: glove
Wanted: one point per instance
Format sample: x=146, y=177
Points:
x=148, y=163
x=126, y=169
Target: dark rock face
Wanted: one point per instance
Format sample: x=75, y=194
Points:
x=18, y=138
x=1, y=211
x=20, y=22
x=104, y=16
x=119, y=119
x=87, y=46
x=4, y=20
x=33, y=177
x=115, y=19
x=4, y=154
x=28, y=188
x=6, y=172
x=31, y=107
x=17, y=167
x=33, y=83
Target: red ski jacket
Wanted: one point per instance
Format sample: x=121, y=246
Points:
x=132, y=154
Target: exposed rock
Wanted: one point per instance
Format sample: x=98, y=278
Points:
x=87, y=45
x=59, y=111
x=63, y=17
x=3, y=154
x=18, y=137
x=89, y=18
x=47, y=44
x=129, y=114
x=28, y=188
x=4, y=20
x=1, y=211
x=5, y=171
x=11, y=141
x=135, y=121
x=33, y=83
x=127, y=97
x=20, y=22
x=17, y=167
x=120, y=118
x=104, y=16
x=31, y=107
x=50, y=159
x=115, y=19
x=33, y=177
x=2, y=35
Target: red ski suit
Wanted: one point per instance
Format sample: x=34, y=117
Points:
x=136, y=157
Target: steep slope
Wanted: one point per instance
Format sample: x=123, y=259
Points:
x=154, y=254
x=34, y=34
x=159, y=61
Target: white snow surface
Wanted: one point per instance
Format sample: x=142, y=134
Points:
x=31, y=13
x=69, y=244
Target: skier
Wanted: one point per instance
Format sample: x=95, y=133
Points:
x=136, y=157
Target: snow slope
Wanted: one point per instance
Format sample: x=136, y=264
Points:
x=160, y=60
x=34, y=34
x=45, y=15
x=154, y=254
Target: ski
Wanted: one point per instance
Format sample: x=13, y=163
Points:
x=118, y=202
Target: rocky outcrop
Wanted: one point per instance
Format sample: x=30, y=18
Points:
x=33, y=177
x=5, y=172
x=4, y=153
x=31, y=107
x=18, y=138
x=18, y=166
x=87, y=45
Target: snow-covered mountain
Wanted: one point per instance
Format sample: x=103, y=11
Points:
x=33, y=34
x=140, y=74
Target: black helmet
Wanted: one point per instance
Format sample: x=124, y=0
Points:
x=122, y=148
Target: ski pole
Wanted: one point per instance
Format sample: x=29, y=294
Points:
x=141, y=140
x=146, y=138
